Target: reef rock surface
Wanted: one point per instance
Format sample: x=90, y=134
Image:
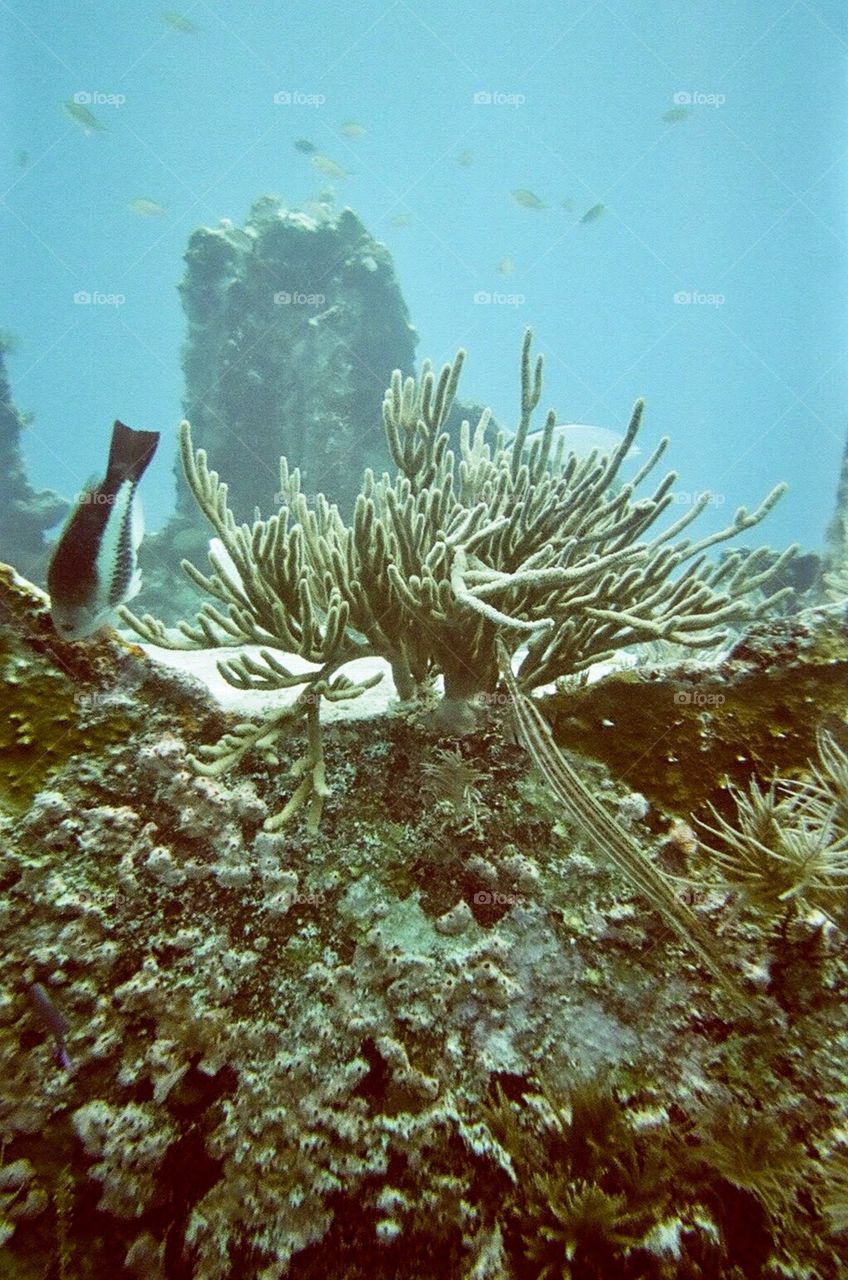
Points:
x=365, y=1053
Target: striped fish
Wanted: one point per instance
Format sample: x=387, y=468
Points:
x=95, y=566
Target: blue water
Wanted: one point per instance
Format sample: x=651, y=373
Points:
x=741, y=205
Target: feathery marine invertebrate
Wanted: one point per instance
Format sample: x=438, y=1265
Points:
x=518, y=541
x=789, y=844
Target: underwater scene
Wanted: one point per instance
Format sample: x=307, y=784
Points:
x=424, y=641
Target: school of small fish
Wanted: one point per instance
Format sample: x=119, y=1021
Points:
x=330, y=168
x=94, y=567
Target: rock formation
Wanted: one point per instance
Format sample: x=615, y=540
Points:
x=25, y=514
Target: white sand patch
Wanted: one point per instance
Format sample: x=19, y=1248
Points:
x=252, y=703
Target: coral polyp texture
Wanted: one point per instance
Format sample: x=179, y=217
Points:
x=518, y=542
x=449, y=1035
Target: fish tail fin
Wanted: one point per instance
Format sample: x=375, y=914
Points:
x=130, y=452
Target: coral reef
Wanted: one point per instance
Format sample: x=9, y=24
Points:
x=364, y=1053
x=512, y=541
x=24, y=513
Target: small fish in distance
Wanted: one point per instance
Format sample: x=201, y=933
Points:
x=528, y=199
x=179, y=22
x=581, y=439
x=328, y=167
x=95, y=567
x=82, y=117
x=146, y=208
x=677, y=115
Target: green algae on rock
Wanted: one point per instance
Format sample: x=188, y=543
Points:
x=756, y=710
x=64, y=701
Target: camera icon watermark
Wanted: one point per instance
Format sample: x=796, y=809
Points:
x=690, y=497
x=123, y=690
x=492, y=699
x=286, y=299
x=84, y=298
x=280, y=499
x=487, y=898
x=297, y=98
x=95, y=498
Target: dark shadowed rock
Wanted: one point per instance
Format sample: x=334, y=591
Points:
x=835, y=575
x=295, y=324
x=24, y=512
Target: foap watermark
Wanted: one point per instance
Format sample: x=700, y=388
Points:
x=488, y=898
x=280, y=499
x=495, y=698
x=295, y=299
x=483, y=298
x=124, y=689
x=94, y=498
x=698, y=698
x=297, y=98
x=496, y=98
x=683, y=98
x=94, y=98
x=696, y=298
x=84, y=298
x=691, y=497
x=317, y=899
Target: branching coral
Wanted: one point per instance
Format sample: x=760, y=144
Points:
x=789, y=843
x=514, y=540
